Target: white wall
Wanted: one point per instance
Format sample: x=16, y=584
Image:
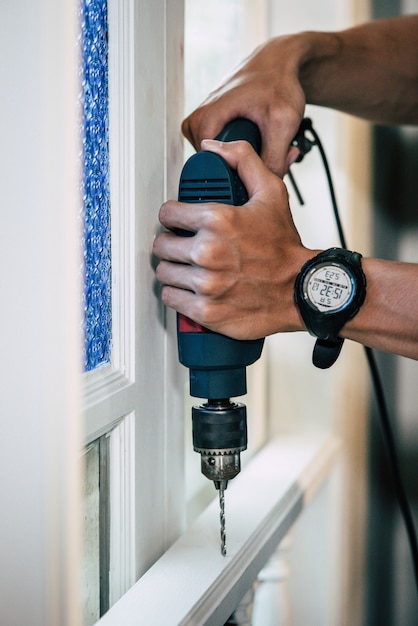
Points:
x=39, y=317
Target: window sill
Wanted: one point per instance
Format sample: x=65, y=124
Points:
x=192, y=583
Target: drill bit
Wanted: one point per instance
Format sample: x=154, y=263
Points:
x=222, y=517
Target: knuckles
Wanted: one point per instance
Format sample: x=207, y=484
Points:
x=206, y=313
x=204, y=284
x=208, y=245
x=202, y=310
x=213, y=284
x=219, y=219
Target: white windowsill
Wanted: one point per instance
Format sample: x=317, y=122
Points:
x=192, y=583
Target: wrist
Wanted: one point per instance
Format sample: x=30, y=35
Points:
x=303, y=256
x=318, y=52
x=311, y=56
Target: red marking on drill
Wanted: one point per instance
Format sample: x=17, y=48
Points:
x=186, y=325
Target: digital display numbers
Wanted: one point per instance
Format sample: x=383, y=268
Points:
x=328, y=288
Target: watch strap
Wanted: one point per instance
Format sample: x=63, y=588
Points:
x=326, y=352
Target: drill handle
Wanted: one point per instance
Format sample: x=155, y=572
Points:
x=242, y=128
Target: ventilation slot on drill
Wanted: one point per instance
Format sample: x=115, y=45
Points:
x=214, y=190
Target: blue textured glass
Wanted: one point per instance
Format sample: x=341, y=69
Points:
x=95, y=186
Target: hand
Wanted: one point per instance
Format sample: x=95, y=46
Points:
x=236, y=275
x=266, y=90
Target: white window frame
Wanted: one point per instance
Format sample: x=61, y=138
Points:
x=109, y=391
x=45, y=399
x=193, y=583
x=128, y=398
x=116, y=380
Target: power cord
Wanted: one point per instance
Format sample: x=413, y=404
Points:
x=305, y=144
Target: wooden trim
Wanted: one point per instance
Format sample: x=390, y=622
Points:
x=122, y=508
x=122, y=183
x=107, y=397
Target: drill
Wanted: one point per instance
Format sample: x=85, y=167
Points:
x=217, y=363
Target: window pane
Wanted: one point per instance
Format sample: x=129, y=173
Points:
x=91, y=536
x=96, y=196
x=96, y=526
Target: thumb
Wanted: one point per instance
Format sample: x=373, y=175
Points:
x=242, y=157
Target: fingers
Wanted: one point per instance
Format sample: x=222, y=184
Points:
x=292, y=157
x=206, y=221
x=197, y=308
x=240, y=156
x=224, y=277
x=176, y=275
x=197, y=280
x=210, y=118
x=278, y=131
x=212, y=223
x=197, y=127
x=276, y=153
x=171, y=247
x=181, y=301
x=194, y=217
x=187, y=216
x=277, y=115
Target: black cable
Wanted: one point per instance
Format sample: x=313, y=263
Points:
x=386, y=427
x=318, y=143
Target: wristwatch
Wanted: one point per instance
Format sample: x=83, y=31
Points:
x=329, y=291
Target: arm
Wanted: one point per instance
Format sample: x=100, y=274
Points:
x=388, y=320
x=370, y=71
x=236, y=276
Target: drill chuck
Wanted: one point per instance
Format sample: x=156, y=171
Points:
x=219, y=435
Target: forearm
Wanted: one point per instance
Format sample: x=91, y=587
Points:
x=388, y=319
x=370, y=70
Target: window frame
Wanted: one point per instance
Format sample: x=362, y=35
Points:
x=129, y=398
x=42, y=400
x=115, y=380
x=283, y=480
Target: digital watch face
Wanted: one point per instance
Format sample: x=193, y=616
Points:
x=328, y=288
